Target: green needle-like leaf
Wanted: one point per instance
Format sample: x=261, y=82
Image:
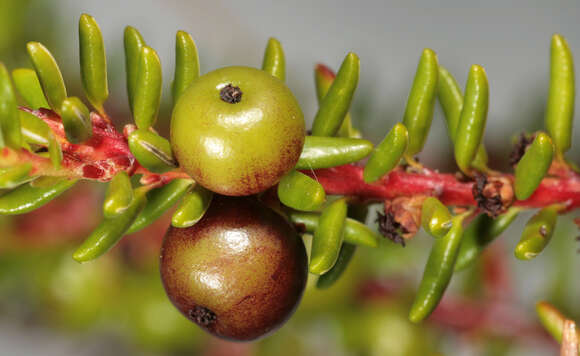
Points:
x=387, y=154
x=438, y=272
x=15, y=176
x=192, y=207
x=274, y=61
x=152, y=151
x=9, y=118
x=27, y=198
x=323, y=78
x=148, y=89
x=344, y=257
x=325, y=152
x=560, y=106
x=328, y=237
x=336, y=102
x=300, y=192
x=133, y=43
x=552, y=320
x=110, y=231
x=480, y=233
x=93, y=62
x=159, y=201
x=421, y=101
x=537, y=233
x=533, y=166
x=472, y=120
x=27, y=83
x=36, y=131
x=186, y=64
x=119, y=195
x=48, y=73
x=435, y=217
x=451, y=100
x=76, y=120
x=355, y=232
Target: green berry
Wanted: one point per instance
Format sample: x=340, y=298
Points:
x=237, y=130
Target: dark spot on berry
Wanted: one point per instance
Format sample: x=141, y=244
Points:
x=390, y=228
x=231, y=94
x=202, y=315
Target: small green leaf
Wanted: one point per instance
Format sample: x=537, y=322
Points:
x=152, y=151
x=133, y=43
x=334, y=107
x=45, y=182
x=553, y=320
x=48, y=73
x=36, y=131
x=387, y=154
x=186, y=64
x=533, y=166
x=111, y=230
x=323, y=78
x=537, y=233
x=560, y=106
x=26, y=198
x=9, y=118
x=451, y=100
x=421, y=101
x=119, y=195
x=435, y=217
x=28, y=85
x=274, y=62
x=472, y=120
x=344, y=257
x=438, y=272
x=192, y=207
x=93, y=62
x=76, y=120
x=480, y=233
x=160, y=200
x=326, y=152
x=355, y=232
x=328, y=237
x=15, y=176
x=148, y=89
x=300, y=192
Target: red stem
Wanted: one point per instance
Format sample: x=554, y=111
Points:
x=347, y=180
x=107, y=153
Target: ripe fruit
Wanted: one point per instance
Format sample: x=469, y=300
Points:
x=239, y=273
x=237, y=130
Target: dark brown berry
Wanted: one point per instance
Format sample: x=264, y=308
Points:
x=239, y=273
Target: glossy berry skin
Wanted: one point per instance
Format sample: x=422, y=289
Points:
x=237, y=144
x=239, y=273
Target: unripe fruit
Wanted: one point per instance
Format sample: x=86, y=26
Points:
x=239, y=273
x=237, y=130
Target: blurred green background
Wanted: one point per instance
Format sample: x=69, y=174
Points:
x=50, y=305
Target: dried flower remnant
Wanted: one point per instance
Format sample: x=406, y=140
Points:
x=494, y=195
x=520, y=148
x=390, y=228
